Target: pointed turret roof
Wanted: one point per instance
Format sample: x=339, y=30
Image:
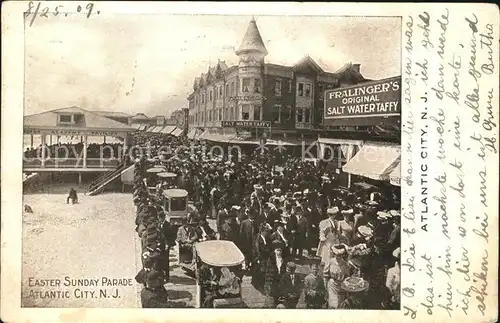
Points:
x=252, y=41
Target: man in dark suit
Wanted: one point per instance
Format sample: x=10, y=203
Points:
x=262, y=253
x=168, y=235
x=301, y=234
x=291, y=228
x=248, y=232
x=290, y=287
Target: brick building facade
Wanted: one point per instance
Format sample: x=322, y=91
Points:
x=290, y=97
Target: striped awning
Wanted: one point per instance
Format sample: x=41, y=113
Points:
x=168, y=130
x=177, y=132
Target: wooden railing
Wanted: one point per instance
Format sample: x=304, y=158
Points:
x=99, y=183
x=70, y=163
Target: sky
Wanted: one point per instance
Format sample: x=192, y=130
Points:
x=147, y=63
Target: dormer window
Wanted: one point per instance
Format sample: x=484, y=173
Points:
x=67, y=118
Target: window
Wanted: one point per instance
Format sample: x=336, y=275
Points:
x=307, y=115
x=220, y=114
x=256, y=87
x=203, y=98
x=65, y=118
x=195, y=100
x=290, y=86
x=231, y=117
x=300, y=89
x=308, y=90
x=245, y=85
x=300, y=115
x=256, y=112
x=277, y=88
x=227, y=90
x=285, y=113
x=277, y=113
x=321, y=89
x=210, y=99
x=245, y=112
x=232, y=88
x=220, y=91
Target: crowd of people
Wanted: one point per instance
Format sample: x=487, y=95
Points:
x=280, y=212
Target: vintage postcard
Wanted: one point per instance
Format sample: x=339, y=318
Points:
x=234, y=162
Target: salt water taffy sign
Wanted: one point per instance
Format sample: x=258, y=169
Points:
x=371, y=99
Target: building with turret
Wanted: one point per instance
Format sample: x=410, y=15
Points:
x=290, y=98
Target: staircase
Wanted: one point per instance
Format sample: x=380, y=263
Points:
x=98, y=184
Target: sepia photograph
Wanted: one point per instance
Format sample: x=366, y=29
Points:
x=211, y=161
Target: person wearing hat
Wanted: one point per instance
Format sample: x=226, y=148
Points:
x=346, y=226
x=276, y=195
x=229, y=230
x=275, y=268
x=328, y=234
x=154, y=295
x=336, y=270
x=393, y=280
x=262, y=253
x=204, y=231
x=186, y=236
x=215, y=196
x=269, y=213
x=247, y=234
x=394, y=240
x=148, y=264
x=221, y=217
x=282, y=236
x=290, y=286
x=301, y=235
x=360, y=216
x=168, y=234
x=363, y=234
x=256, y=198
x=314, y=291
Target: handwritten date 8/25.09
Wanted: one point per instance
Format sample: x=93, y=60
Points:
x=35, y=9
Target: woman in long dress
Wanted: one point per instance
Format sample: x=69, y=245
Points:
x=335, y=272
x=346, y=227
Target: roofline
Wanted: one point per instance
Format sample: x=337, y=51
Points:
x=103, y=111
x=308, y=58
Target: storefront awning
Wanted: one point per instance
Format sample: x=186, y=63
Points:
x=157, y=129
x=168, y=130
x=375, y=161
x=177, y=132
x=395, y=176
x=238, y=140
x=215, y=137
x=334, y=141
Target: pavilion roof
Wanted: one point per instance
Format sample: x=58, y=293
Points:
x=90, y=121
x=118, y=114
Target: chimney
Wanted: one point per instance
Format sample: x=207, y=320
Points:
x=356, y=67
